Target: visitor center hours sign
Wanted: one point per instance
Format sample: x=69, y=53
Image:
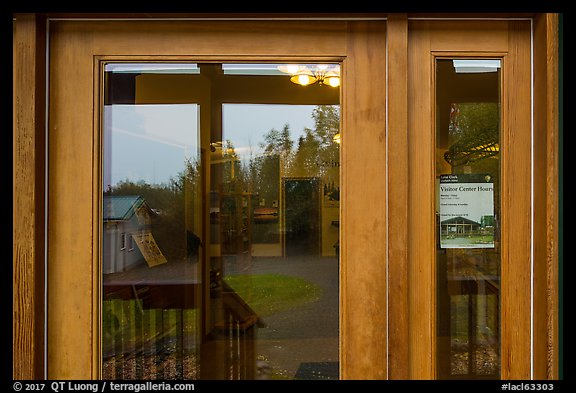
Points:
x=466, y=211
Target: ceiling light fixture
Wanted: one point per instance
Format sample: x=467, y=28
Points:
x=307, y=74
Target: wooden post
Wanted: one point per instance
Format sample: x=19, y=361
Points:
x=397, y=31
x=28, y=202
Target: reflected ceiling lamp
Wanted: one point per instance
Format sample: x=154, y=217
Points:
x=304, y=75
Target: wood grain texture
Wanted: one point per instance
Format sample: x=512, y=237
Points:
x=421, y=218
x=75, y=158
x=552, y=197
x=363, y=235
x=546, y=194
x=366, y=243
x=516, y=274
x=540, y=151
x=72, y=196
x=28, y=201
x=510, y=40
x=235, y=39
x=397, y=150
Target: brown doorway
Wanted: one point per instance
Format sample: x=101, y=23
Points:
x=301, y=215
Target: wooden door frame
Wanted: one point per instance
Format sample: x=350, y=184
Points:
x=29, y=193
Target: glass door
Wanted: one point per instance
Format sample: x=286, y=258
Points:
x=252, y=291
x=215, y=199
x=470, y=201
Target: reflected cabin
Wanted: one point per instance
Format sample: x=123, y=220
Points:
x=128, y=240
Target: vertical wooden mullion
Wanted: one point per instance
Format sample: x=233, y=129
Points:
x=546, y=193
x=421, y=221
x=363, y=237
x=516, y=201
x=397, y=151
x=28, y=201
x=552, y=192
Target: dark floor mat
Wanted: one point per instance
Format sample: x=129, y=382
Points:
x=318, y=370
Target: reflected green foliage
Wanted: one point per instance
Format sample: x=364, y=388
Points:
x=312, y=149
x=473, y=132
x=269, y=294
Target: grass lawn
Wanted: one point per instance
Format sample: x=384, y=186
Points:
x=268, y=294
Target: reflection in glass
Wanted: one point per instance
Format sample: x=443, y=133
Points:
x=468, y=217
x=220, y=223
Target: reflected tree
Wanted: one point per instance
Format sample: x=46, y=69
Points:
x=168, y=201
x=473, y=132
x=315, y=155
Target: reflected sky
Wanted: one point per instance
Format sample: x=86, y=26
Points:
x=152, y=142
x=246, y=124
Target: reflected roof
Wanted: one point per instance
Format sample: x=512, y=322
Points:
x=121, y=207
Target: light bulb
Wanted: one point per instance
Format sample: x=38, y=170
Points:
x=292, y=68
x=333, y=81
x=304, y=80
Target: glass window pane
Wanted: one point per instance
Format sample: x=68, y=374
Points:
x=221, y=221
x=468, y=217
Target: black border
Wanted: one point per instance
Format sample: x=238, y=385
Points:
x=133, y=8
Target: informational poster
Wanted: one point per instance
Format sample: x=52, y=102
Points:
x=466, y=211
